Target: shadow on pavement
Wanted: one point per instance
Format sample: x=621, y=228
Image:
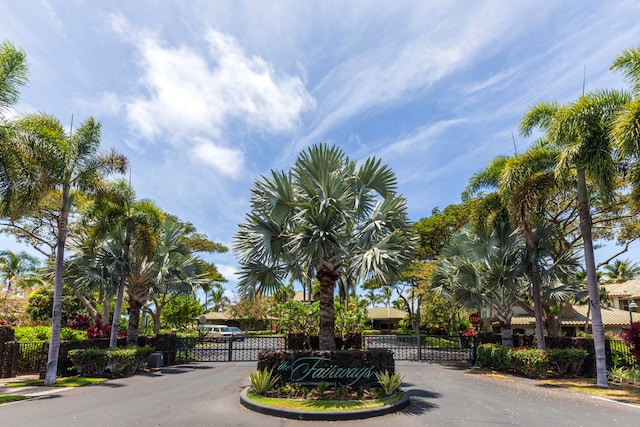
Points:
x=419, y=405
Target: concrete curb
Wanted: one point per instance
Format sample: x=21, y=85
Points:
x=323, y=415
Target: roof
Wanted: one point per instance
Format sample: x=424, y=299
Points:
x=385, y=313
x=610, y=317
x=628, y=289
x=220, y=315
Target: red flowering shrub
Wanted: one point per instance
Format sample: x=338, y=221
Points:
x=469, y=332
x=80, y=322
x=631, y=337
x=99, y=330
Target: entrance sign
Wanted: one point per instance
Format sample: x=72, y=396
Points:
x=475, y=319
x=304, y=369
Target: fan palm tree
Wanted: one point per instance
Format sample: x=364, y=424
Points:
x=57, y=160
x=484, y=268
x=325, y=212
x=581, y=130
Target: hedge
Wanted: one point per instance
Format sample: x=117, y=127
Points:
x=96, y=362
x=532, y=362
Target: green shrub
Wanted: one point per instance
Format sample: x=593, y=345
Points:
x=96, y=362
x=389, y=382
x=531, y=362
x=262, y=380
x=32, y=333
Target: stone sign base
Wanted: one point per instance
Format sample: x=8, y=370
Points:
x=353, y=368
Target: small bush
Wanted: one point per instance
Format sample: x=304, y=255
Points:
x=263, y=380
x=389, y=382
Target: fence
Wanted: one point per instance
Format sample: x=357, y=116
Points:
x=404, y=347
x=621, y=356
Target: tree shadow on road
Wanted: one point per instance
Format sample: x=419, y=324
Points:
x=420, y=403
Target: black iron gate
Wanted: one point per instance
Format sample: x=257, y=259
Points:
x=404, y=347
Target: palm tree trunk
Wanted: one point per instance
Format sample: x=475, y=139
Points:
x=134, y=322
x=535, y=282
x=592, y=281
x=56, y=316
x=113, y=339
x=326, y=337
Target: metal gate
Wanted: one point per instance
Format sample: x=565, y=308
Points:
x=225, y=350
x=404, y=347
x=29, y=357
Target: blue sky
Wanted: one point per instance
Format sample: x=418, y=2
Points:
x=205, y=96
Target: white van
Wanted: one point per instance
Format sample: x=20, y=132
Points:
x=217, y=332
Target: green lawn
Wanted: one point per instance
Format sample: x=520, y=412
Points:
x=6, y=398
x=323, y=405
x=60, y=382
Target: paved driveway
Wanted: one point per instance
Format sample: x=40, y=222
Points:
x=207, y=394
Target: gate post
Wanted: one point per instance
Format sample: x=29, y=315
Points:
x=419, y=347
x=230, y=355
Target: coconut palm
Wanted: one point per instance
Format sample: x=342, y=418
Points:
x=18, y=270
x=324, y=212
x=116, y=206
x=217, y=299
x=581, y=130
x=13, y=74
x=58, y=160
x=621, y=271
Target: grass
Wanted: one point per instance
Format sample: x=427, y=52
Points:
x=6, y=398
x=621, y=392
x=60, y=382
x=323, y=405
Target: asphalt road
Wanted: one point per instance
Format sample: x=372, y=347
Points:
x=207, y=394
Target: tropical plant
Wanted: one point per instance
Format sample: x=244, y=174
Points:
x=581, y=131
x=389, y=382
x=325, y=212
x=19, y=270
x=621, y=271
x=485, y=267
x=215, y=299
x=117, y=206
x=262, y=380
x=61, y=160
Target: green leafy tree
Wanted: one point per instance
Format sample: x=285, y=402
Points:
x=40, y=305
x=180, y=312
x=325, y=212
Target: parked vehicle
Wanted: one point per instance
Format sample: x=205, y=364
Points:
x=237, y=333
x=217, y=332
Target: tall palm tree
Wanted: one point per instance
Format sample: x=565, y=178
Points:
x=581, y=130
x=17, y=270
x=217, y=298
x=324, y=212
x=140, y=220
x=60, y=160
x=525, y=183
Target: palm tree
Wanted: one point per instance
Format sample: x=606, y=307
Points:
x=325, y=212
x=525, y=183
x=621, y=271
x=484, y=268
x=13, y=74
x=17, y=270
x=217, y=298
x=62, y=161
x=116, y=206
x=176, y=271
x=581, y=130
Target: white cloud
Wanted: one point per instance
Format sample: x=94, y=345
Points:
x=227, y=161
x=187, y=92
